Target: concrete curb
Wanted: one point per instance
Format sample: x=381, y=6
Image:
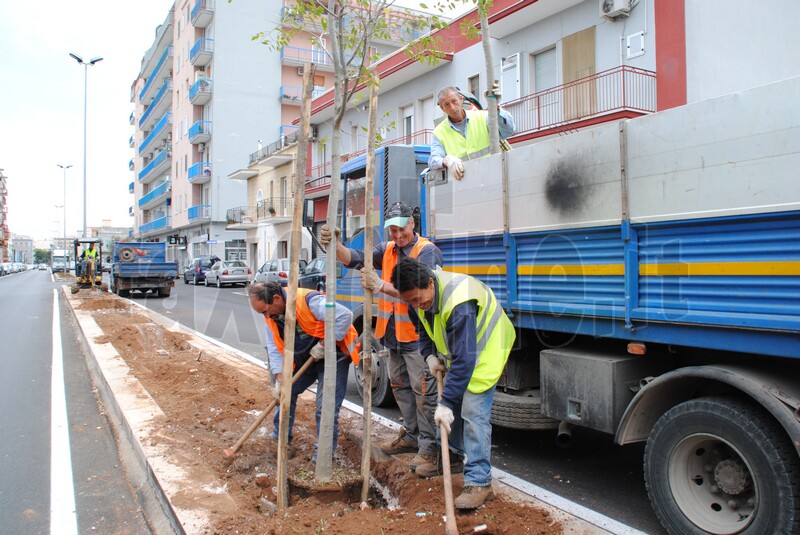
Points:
x=158, y=476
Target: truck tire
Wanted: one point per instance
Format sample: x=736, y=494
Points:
x=722, y=465
x=124, y=293
x=382, y=395
x=164, y=292
x=185, y=279
x=521, y=411
x=126, y=254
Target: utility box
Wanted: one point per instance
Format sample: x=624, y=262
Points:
x=592, y=389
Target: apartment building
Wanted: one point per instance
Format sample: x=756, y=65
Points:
x=5, y=233
x=205, y=93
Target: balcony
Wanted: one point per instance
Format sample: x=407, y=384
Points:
x=157, y=166
x=162, y=71
x=200, y=132
x=276, y=209
x=156, y=224
x=130, y=165
x=161, y=102
x=202, y=13
x=200, y=173
x=200, y=212
x=130, y=210
x=130, y=187
x=620, y=92
x=293, y=94
x=156, y=196
x=200, y=92
x=296, y=57
x=241, y=218
x=132, y=118
x=202, y=52
x=162, y=131
x=130, y=142
x=272, y=155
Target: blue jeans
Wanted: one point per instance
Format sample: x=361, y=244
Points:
x=471, y=434
x=317, y=373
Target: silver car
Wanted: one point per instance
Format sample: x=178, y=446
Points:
x=276, y=270
x=228, y=272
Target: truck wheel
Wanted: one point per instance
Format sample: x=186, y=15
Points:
x=126, y=254
x=520, y=411
x=196, y=281
x=164, y=292
x=124, y=293
x=722, y=465
x=382, y=395
x=185, y=279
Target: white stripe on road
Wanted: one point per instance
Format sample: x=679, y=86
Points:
x=63, y=519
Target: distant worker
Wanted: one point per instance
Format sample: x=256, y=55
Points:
x=413, y=386
x=465, y=325
x=91, y=252
x=269, y=299
x=464, y=134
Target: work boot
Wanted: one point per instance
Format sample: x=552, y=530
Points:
x=473, y=497
x=420, y=459
x=401, y=444
x=437, y=468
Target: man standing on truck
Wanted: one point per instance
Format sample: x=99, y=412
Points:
x=398, y=331
x=269, y=299
x=462, y=322
x=464, y=134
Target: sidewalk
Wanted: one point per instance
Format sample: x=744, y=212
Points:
x=163, y=477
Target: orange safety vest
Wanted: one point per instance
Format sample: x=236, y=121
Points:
x=389, y=305
x=313, y=327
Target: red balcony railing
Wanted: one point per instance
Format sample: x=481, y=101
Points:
x=619, y=89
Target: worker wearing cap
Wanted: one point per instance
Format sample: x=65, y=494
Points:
x=463, y=322
x=413, y=385
x=464, y=134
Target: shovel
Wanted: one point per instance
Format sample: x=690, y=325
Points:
x=450, y=527
x=229, y=452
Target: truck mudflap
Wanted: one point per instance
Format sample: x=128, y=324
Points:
x=721, y=451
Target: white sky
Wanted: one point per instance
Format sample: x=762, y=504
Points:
x=41, y=108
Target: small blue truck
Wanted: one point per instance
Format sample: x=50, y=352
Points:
x=142, y=266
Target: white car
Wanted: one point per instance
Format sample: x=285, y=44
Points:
x=229, y=272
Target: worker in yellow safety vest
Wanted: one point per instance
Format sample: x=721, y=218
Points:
x=466, y=334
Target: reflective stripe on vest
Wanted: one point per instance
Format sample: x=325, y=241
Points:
x=476, y=143
x=494, y=332
x=387, y=305
x=315, y=328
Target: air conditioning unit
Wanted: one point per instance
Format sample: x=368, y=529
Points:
x=615, y=9
x=201, y=147
x=314, y=132
x=300, y=71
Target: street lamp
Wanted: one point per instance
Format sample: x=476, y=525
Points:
x=65, y=167
x=86, y=65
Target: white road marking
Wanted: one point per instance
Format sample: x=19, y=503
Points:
x=63, y=517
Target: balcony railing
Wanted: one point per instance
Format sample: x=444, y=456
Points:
x=157, y=100
x=200, y=92
x=200, y=173
x=293, y=94
x=159, y=163
x=156, y=195
x=154, y=75
x=131, y=119
x=275, y=146
x=130, y=210
x=201, y=52
x=161, y=129
x=274, y=207
x=130, y=165
x=200, y=132
x=200, y=211
x=156, y=224
x=291, y=55
x=130, y=141
x=241, y=215
x=619, y=89
x=421, y=137
x=202, y=13
x=130, y=187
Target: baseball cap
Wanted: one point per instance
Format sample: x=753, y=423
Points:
x=398, y=215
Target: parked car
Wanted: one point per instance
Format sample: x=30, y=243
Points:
x=196, y=271
x=276, y=270
x=313, y=276
x=228, y=272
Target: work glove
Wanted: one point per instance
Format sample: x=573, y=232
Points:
x=443, y=417
x=371, y=281
x=494, y=92
x=325, y=235
x=318, y=352
x=435, y=365
x=276, y=392
x=454, y=165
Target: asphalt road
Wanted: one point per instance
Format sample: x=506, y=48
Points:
x=55, y=478
x=592, y=471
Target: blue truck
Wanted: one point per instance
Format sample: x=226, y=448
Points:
x=652, y=269
x=142, y=266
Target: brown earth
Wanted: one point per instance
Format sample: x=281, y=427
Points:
x=207, y=408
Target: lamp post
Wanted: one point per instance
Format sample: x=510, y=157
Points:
x=65, y=167
x=86, y=65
